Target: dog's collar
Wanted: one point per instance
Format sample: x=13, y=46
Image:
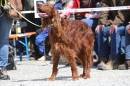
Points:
x=52, y=25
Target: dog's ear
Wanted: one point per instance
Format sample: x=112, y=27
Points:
x=46, y=21
x=57, y=20
x=56, y=17
x=56, y=14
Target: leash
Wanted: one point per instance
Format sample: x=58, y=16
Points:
x=17, y=12
x=23, y=16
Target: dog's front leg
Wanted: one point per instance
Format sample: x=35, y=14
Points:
x=72, y=62
x=55, y=65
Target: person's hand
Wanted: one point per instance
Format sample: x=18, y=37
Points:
x=128, y=30
x=97, y=16
x=113, y=28
x=88, y=15
x=98, y=27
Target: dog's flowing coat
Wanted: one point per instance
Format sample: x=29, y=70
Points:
x=72, y=39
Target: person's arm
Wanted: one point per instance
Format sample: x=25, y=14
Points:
x=128, y=29
x=103, y=19
x=58, y=5
x=122, y=17
x=104, y=14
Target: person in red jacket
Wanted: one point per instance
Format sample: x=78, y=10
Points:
x=69, y=4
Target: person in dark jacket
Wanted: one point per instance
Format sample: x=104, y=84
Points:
x=111, y=23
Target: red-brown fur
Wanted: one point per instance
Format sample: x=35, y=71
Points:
x=72, y=39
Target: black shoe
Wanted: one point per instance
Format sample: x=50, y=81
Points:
x=5, y=77
x=96, y=63
x=3, y=74
x=101, y=59
x=37, y=56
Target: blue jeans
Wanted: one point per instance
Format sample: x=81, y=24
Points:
x=5, y=26
x=127, y=44
x=114, y=47
x=92, y=22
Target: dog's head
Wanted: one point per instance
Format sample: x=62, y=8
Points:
x=46, y=8
x=51, y=15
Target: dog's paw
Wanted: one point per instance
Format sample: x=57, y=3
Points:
x=81, y=76
x=86, y=76
x=75, y=78
x=50, y=79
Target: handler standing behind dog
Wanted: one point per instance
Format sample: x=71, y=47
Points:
x=5, y=26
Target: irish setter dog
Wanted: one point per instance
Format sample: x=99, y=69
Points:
x=72, y=39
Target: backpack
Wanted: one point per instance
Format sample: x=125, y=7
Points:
x=41, y=37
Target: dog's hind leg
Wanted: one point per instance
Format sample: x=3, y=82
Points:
x=86, y=58
x=82, y=59
x=88, y=63
x=72, y=62
x=56, y=58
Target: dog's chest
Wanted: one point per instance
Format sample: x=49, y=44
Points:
x=58, y=45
